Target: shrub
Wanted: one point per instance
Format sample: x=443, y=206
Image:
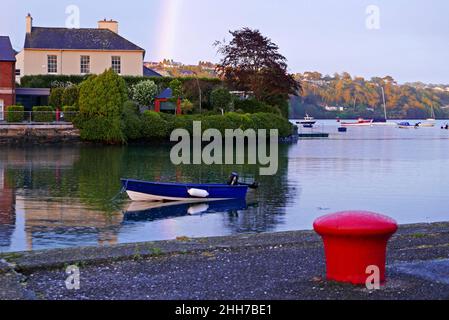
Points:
x=102, y=98
x=186, y=106
x=70, y=96
x=55, y=99
x=176, y=86
x=254, y=106
x=69, y=113
x=154, y=126
x=100, y=129
x=15, y=114
x=43, y=114
x=270, y=121
x=144, y=92
x=221, y=99
x=131, y=121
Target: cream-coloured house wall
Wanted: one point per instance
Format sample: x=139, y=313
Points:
x=34, y=62
x=19, y=64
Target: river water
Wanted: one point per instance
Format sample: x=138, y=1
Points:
x=63, y=196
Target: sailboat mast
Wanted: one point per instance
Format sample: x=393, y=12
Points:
x=385, y=104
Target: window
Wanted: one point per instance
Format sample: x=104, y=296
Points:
x=52, y=64
x=17, y=72
x=85, y=64
x=117, y=64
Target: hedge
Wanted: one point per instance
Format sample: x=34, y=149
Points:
x=69, y=113
x=15, y=114
x=159, y=125
x=52, y=81
x=254, y=106
x=43, y=114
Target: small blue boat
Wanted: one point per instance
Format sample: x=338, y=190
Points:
x=155, y=191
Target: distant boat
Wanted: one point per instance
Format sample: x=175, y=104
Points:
x=308, y=122
x=430, y=122
x=408, y=125
x=156, y=191
x=360, y=123
x=386, y=122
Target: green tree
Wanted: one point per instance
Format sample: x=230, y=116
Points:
x=176, y=86
x=101, y=103
x=221, y=98
x=55, y=99
x=144, y=92
x=70, y=96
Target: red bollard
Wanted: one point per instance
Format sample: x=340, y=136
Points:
x=58, y=114
x=354, y=241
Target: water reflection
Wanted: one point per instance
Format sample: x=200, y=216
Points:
x=145, y=212
x=57, y=197
x=62, y=196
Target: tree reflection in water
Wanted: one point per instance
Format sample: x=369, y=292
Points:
x=65, y=192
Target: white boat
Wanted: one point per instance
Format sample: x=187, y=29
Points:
x=308, y=121
x=386, y=123
x=430, y=122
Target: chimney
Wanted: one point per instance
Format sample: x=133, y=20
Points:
x=29, y=23
x=109, y=25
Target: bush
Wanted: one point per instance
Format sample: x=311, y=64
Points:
x=254, y=106
x=43, y=114
x=69, y=113
x=154, y=126
x=177, y=88
x=100, y=129
x=70, y=96
x=55, y=99
x=15, y=114
x=102, y=98
x=221, y=98
x=269, y=121
x=131, y=121
x=144, y=92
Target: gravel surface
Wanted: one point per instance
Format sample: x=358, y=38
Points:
x=285, y=266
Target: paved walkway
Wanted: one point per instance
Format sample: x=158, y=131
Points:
x=267, y=266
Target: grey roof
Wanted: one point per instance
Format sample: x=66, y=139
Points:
x=7, y=53
x=147, y=72
x=77, y=39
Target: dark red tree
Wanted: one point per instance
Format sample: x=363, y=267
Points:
x=252, y=62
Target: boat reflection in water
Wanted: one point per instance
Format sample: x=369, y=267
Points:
x=141, y=211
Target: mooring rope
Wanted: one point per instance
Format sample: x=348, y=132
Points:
x=122, y=191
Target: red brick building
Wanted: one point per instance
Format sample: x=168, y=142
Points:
x=7, y=75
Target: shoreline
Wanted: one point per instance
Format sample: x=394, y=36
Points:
x=422, y=245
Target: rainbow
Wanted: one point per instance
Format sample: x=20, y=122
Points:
x=169, y=15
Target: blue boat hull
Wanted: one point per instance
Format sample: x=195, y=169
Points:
x=154, y=191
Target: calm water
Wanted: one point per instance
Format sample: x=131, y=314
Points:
x=62, y=196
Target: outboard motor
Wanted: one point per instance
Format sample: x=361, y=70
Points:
x=233, y=179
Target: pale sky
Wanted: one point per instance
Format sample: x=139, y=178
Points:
x=411, y=43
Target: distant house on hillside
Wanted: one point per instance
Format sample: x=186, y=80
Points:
x=63, y=51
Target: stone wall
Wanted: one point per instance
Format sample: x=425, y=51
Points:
x=38, y=133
